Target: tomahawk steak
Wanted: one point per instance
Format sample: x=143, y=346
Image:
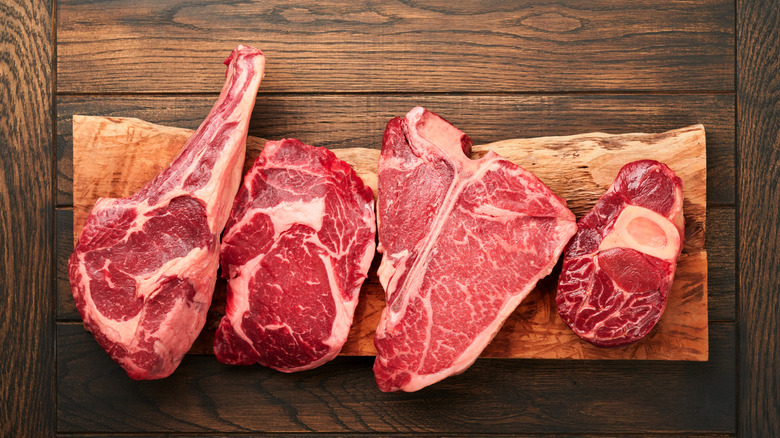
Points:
x=296, y=249
x=463, y=242
x=144, y=268
x=618, y=269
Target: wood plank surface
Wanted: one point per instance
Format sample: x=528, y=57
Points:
x=493, y=396
x=63, y=247
x=114, y=157
x=398, y=46
x=431, y=434
x=338, y=121
x=758, y=149
x=434, y=434
x=26, y=210
x=337, y=72
x=721, y=263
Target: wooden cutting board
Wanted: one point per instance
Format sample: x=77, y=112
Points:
x=113, y=157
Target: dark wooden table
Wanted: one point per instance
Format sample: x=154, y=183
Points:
x=337, y=71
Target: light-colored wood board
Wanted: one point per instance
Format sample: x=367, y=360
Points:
x=116, y=156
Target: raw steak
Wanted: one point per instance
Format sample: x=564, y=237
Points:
x=463, y=243
x=144, y=268
x=618, y=269
x=296, y=249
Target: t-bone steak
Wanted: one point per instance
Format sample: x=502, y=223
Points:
x=463, y=242
x=144, y=268
x=618, y=269
x=296, y=249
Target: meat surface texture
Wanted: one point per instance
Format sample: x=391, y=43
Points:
x=618, y=269
x=296, y=249
x=144, y=267
x=463, y=242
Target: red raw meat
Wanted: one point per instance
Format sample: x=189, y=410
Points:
x=463, y=243
x=296, y=250
x=618, y=268
x=144, y=268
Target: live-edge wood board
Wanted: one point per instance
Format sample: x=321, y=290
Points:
x=113, y=157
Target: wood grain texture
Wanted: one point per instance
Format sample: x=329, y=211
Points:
x=63, y=247
x=114, y=157
x=758, y=149
x=399, y=46
x=721, y=263
x=493, y=396
x=359, y=121
x=26, y=323
x=434, y=434
x=363, y=56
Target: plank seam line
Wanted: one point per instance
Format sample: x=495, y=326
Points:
x=391, y=434
x=54, y=233
x=737, y=218
x=411, y=93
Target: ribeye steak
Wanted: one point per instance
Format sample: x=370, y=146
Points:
x=463, y=242
x=618, y=269
x=296, y=249
x=144, y=268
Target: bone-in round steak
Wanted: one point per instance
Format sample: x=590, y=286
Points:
x=618, y=269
